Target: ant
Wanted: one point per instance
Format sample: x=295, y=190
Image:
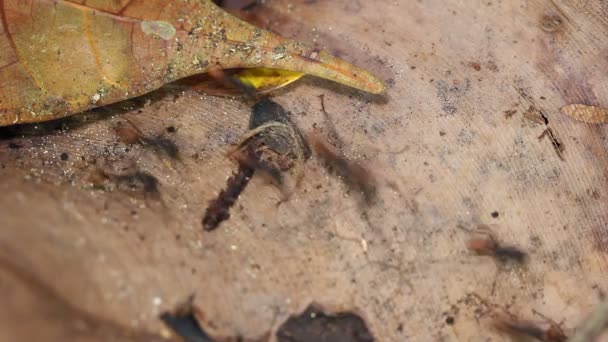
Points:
x=130, y=135
x=354, y=174
x=514, y=326
x=129, y=179
x=490, y=246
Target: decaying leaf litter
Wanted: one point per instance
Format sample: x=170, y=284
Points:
x=118, y=51
x=271, y=129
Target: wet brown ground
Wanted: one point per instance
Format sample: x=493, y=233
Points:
x=453, y=145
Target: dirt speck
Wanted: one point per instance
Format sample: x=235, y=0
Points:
x=492, y=66
x=551, y=22
x=509, y=113
x=475, y=65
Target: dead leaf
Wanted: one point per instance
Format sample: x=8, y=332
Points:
x=60, y=57
x=584, y=113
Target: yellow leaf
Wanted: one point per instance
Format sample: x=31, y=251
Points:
x=265, y=79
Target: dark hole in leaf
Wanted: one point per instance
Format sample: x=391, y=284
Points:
x=315, y=325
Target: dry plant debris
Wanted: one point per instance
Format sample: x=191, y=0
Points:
x=585, y=113
x=272, y=146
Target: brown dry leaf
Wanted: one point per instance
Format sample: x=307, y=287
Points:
x=61, y=57
x=584, y=113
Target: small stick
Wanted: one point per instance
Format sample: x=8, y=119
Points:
x=557, y=145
